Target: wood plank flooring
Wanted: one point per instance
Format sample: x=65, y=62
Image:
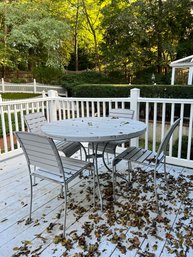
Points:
x=129, y=226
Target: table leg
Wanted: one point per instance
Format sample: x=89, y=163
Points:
x=95, y=161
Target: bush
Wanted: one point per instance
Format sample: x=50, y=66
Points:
x=183, y=148
x=102, y=90
x=17, y=80
x=123, y=90
x=69, y=81
x=48, y=75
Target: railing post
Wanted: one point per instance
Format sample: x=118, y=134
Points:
x=3, y=85
x=1, y=100
x=43, y=94
x=134, y=105
x=35, y=89
x=52, y=105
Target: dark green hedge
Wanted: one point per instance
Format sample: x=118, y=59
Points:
x=183, y=148
x=122, y=90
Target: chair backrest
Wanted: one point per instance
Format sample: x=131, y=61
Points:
x=166, y=139
x=34, y=121
x=121, y=113
x=40, y=151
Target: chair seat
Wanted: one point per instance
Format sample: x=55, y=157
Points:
x=68, y=148
x=72, y=167
x=139, y=155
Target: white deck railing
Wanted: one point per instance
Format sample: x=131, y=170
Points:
x=157, y=113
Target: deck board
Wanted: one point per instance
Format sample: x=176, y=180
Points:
x=14, y=203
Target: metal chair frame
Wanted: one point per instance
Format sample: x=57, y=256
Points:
x=35, y=121
x=110, y=147
x=41, y=152
x=148, y=158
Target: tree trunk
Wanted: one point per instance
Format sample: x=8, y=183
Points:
x=97, y=58
x=159, y=38
x=76, y=37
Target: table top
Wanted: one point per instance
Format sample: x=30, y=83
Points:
x=94, y=129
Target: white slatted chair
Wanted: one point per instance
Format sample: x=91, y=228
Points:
x=110, y=147
x=41, y=151
x=148, y=158
x=34, y=121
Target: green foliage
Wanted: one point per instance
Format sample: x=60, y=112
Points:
x=49, y=75
x=18, y=95
x=18, y=80
x=69, y=81
x=122, y=90
x=183, y=148
x=31, y=34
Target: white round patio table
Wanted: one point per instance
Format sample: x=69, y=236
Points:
x=94, y=130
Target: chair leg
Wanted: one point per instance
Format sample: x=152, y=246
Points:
x=129, y=171
x=62, y=192
x=94, y=189
x=166, y=177
x=155, y=190
x=114, y=180
x=65, y=210
x=31, y=199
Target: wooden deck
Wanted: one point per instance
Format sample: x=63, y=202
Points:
x=129, y=227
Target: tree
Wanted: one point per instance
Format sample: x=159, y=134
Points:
x=35, y=34
x=146, y=33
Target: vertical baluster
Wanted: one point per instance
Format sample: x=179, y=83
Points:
x=82, y=109
x=93, y=110
x=171, y=122
x=147, y=125
x=68, y=109
x=21, y=117
x=87, y=108
x=77, y=109
x=59, y=109
x=73, y=109
x=16, y=121
x=32, y=107
x=163, y=120
x=98, y=109
x=154, y=125
x=47, y=111
x=104, y=109
x=27, y=108
x=180, y=131
x=4, y=130
x=10, y=128
x=42, y=107
x=64, y=106
x=37, y=107
x=110, y=106
x=190, y=132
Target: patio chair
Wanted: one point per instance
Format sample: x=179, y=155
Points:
x=34, y=121
x=148, y=158
x=41, y=151
x=110, y=147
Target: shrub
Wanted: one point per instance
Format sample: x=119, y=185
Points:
x=69, y=81
x=183, y=148
x=48, y=75
x=18, y=80
x=122, y=90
